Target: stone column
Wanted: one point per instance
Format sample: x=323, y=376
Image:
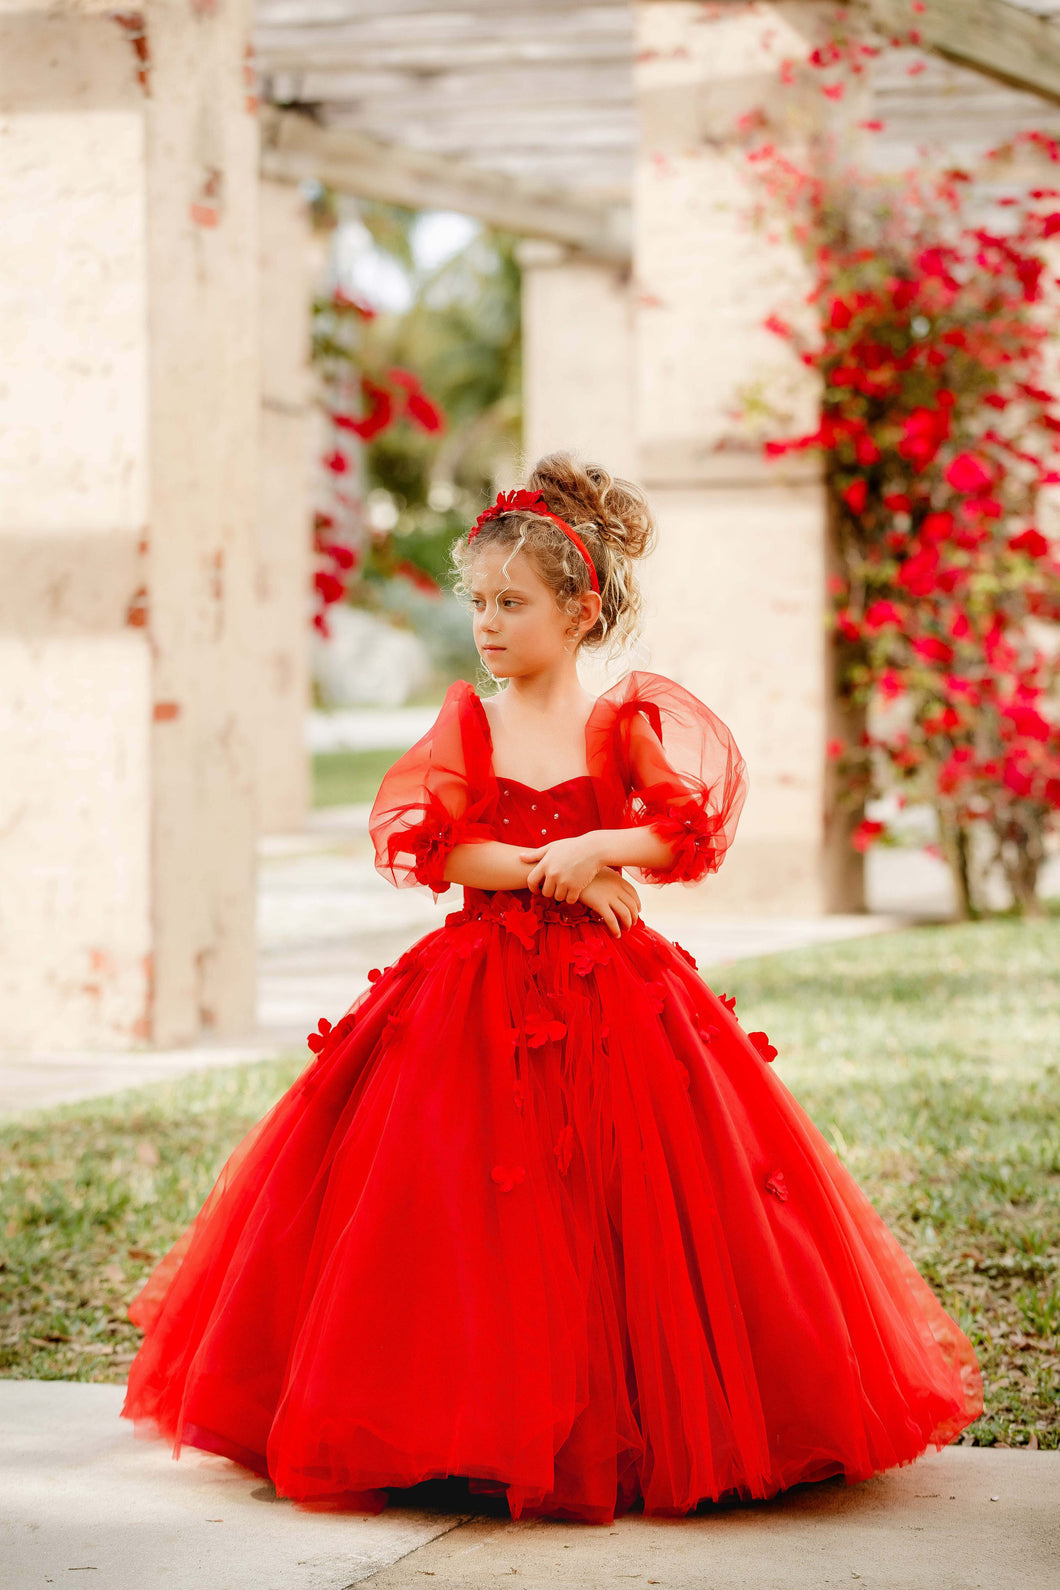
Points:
x=129, y=414
x=289, y=265
x=736, y=592
x=577, y=356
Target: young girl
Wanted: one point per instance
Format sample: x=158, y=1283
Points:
x=539, y=1214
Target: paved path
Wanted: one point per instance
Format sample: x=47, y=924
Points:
x=80, y=1494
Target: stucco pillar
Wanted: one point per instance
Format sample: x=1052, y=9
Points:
x=736, y=592
x=289, y=264
x=577, y=356
x=129, y=413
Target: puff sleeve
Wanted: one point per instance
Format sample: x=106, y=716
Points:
x=434, y=797
x=683, y=774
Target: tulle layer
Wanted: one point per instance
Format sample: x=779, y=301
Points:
x=540, y=1213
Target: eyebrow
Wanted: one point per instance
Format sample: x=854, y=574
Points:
x=505, y=590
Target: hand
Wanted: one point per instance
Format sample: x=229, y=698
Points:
x=564, y=867
x=614, y=900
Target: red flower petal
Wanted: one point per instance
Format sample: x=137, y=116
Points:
x=763, y=1045
x=507, y=1176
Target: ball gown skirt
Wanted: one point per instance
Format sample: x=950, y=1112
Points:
x=540, y=1213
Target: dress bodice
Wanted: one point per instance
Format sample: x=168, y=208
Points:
x=528, y=816
x=655, y=755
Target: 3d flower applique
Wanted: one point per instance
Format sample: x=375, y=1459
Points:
x=524, y=924
x=692, y=837
x=588, y=954
x=508, y=1176
x=776, y=1184
x=708, y=1031
x=729, y=1001
x=657, y=995
x=539, y=1029
x=396, y=1020
x=689, y=957
x=318, y=1039
x=519, y=1094
x=375, y=974
x=564, y=1148
x=344, y=1026
x=763, y=1045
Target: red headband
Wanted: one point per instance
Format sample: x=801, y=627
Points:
x=534, y=502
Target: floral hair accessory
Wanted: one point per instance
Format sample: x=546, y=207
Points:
x=514, y=502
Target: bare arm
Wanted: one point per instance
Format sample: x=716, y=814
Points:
x=631, y=847
x=490, y=864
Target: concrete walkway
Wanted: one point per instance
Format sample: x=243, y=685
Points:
x=80, y=1493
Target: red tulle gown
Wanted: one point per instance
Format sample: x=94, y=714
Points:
x=539, y=1213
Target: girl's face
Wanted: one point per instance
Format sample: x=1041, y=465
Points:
x=517, y=624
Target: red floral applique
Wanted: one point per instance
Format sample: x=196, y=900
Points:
x=524, y=924
x=589, y=954
x=519, y=1095
x=776, y=1184
x=317, y=1040
x=763, y=1045
x=375, y=974
x=689, y=957
x=540, y=1029
x=692, y=834
x=729, y=1001
x=708, y=1032
x=326, y=1034
x=564, y=1148
x=508, y=1176
x=657, y=995
x=396, y=1020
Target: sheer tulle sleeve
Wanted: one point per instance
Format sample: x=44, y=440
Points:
x=683, y=774
x=434, y=797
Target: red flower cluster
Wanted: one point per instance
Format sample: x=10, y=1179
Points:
x=386, y=396
x=939, y=427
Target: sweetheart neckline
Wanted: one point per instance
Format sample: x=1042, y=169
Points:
x=550, y=789
x=502, y=778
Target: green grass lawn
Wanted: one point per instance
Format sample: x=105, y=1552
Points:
x=342, y=777
x=929, y=1058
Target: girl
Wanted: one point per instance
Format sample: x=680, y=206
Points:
x=539, y=1215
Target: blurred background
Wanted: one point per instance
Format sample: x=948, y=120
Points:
x=288, y=291
x=291, y=290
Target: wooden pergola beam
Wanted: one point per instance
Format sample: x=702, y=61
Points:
x=296, y=147
x=1016, y=45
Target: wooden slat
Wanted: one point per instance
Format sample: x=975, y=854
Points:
x=1009, y=42
x=294, y=148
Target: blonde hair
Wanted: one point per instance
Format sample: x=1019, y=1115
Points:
x=610, y=515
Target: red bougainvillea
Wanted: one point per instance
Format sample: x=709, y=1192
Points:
x=934, y=295
x=360, y=405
